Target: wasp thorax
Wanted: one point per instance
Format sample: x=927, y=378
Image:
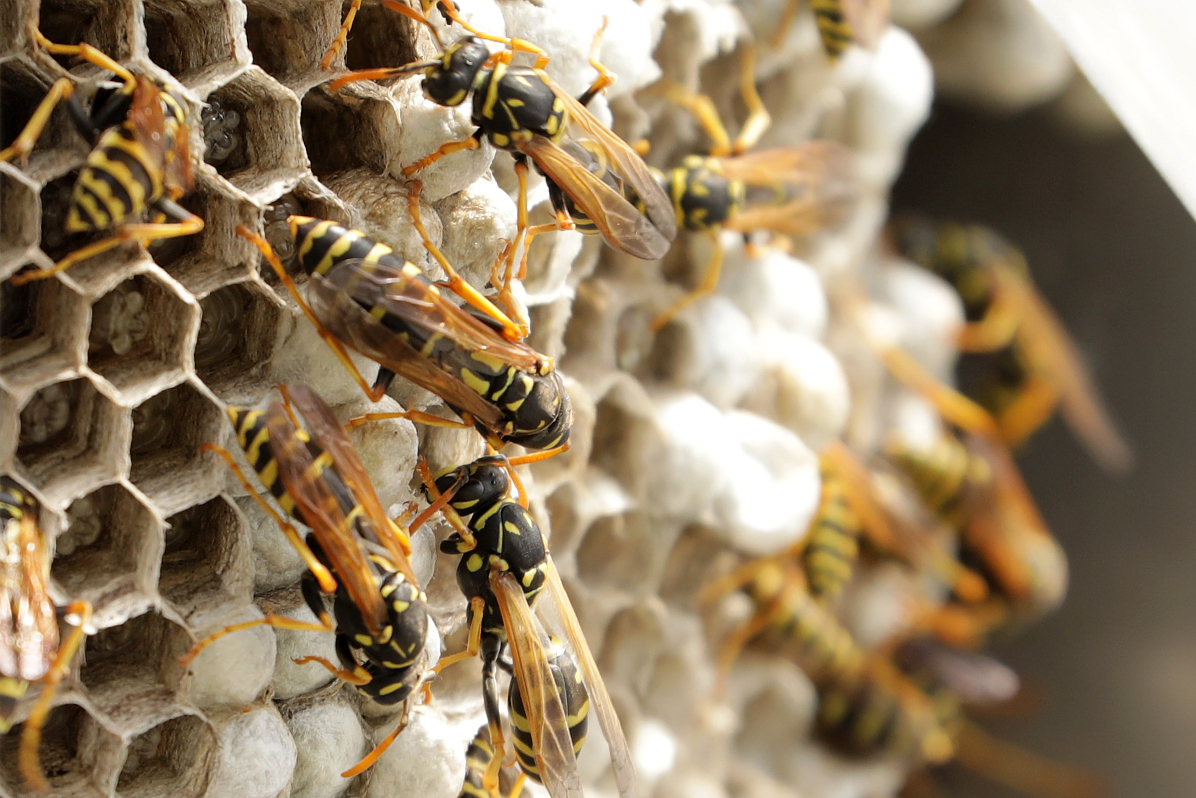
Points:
x=546, y=417
x=450, y=82
x=480, y=483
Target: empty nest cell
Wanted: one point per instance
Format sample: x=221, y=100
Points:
x=76, y=754
x=110, y=547
x=71, y=433
x=358, y=115
x=132, y=669
x=18, y=215
x=238, y=329
x=168, y=430
x=268, y=147
x=140, y=333
x=42, y=327
x=288, y=38
x=380, y=38
x=207, y=562
x=186, y=38
x=622, y=552
x=174, y=758
x=109, y=25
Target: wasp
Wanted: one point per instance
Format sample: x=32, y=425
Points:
x=363, y=296
x=974, y=487
x=865, y=704
x=523, y=111
x=354, y=552
x=478, y=757
x=841, y=23
x=140, y=161
x=31, y=649
x=1029, y=363
x=505, y=569
x=794, y=190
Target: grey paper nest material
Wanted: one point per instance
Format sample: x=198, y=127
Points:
x=688, y=447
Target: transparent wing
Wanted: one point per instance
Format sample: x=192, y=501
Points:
x=620, y=753
x=620, y=223
x=360, y=331
x=793, y=190
x=546, y=714
x=320, y=509
x=330, y=435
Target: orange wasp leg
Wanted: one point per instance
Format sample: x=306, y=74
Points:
x=709, y=282
x=1022, y=770
x=477, y=606
x=1032, y=408
x=373, y=756
x=23, y=144
x=78, y=615
x=272, y=620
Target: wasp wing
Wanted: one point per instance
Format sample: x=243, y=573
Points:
x=546, y=715
x=624, y=162
x=330, y=435
x=612, y=729
x=621, y=224
x=321, y=510
x=794, y=190
x=351, y=324
x=1049, y=350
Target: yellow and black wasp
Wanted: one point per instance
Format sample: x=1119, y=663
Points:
x=1026, y=364
x=504, y=569
x=363, y=296
x=841, y=23
x=140, y=161
x=865, y=705
x=478, y=758
x=31, y=650
x=793, y=190
x=523, y=111
x=354, y=552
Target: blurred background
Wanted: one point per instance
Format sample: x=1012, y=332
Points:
x=1113, y=251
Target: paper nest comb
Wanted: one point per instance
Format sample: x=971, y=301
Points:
x=691, y=448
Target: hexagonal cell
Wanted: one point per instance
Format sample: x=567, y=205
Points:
x=42, y=325
x=380, y=38
x=237, y=334
x=288, y=37
x=217, y=255
x=620, y=440
x=208, y=559
x=57, y=243
x=77, y=754
x=110, y=547
x=139, y=333
x=638, y=554
x=359, y=115
x=186, y=38
x=174, y=758
x=168, y=430
x=106, y=24
x=137, y=659
x=18, y=215
x=71, y=433
x=270, y=146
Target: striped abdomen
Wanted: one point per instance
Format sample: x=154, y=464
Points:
x=941, y=476
x=574, y=698
x=836, y=32
x=702, y=198
x=832, y=544
x=477, y=760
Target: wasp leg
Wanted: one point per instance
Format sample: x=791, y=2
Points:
x=511, y=330
x=373, y=756
x=517, y=787
x=358, y=677
x=563, y=222
x=1035, y=402
x=417, y=416
x=448, y=148
x=605, y=78
x=87, y=53
x=490, y=702
x=271, y=620
x=786, y=22
x=952, y=405
x=342, y=36
x=1022, y=770
x=23, y=144
x=703, y=110
x=477, y=605
x=449, y=9
x=141, y=233
x=336, y=346
x=78, y=615
x=314, y=566
x=710, y=282
x=731, y=648
x=996, y=329
x=758, y=120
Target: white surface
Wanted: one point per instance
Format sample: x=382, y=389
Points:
x=1140, y=57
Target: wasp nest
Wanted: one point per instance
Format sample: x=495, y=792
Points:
x=692, y=447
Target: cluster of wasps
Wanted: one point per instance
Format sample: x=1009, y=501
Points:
x=468, y=348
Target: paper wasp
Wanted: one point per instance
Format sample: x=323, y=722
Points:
x=523, y=111
x=364, y=297
x=841, y=23
x=794, y=190
x=353, y=552
x=140, y=161
x=1030, y=365
x=478, y=758
x=503, y=571
x=31, y=650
